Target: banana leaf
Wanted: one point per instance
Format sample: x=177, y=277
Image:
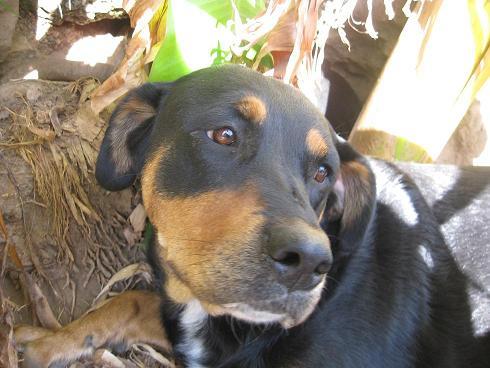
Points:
x=198, y=36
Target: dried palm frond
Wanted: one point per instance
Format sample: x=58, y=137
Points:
x=148, y=18
x=59, y=172
x=294, y=32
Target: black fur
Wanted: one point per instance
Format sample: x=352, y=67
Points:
x=402, y=289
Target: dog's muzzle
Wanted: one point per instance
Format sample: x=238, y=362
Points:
x=289, y=310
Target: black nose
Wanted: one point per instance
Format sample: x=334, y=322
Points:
x=300, y=260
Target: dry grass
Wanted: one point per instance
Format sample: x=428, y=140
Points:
x=60, y=168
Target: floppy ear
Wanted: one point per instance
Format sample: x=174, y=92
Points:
x=354, y=194
x=123, y=149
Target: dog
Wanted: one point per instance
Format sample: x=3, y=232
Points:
x=277, y=245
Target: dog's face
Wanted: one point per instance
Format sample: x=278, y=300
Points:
x=236, y=171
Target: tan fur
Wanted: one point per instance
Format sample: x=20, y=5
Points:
x=315, y=143
x=129, y=114
x=252, y=108
x=176, y=289
x=133, y=316
x=141, y=108
x=355, y=177
x=302, y=227
x=199, y=236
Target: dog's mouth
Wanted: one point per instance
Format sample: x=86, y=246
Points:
x=289, y=310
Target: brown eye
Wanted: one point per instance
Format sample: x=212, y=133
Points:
x=321, y=173
x=225, y=136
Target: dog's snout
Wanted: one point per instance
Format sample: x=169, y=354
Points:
x=300, y=259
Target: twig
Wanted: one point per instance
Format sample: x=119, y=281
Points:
x=74, y=298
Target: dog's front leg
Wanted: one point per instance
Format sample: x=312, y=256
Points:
x=130, y=317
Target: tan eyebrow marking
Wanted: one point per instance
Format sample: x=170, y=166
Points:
x=315, y=143
x=252, y=108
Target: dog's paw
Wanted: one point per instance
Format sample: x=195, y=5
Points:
x=55, y=350
x=35, y=356
x=29, y=342
x=39, y=353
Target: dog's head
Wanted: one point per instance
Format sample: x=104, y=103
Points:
x=236, y=169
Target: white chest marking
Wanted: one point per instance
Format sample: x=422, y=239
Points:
x=192, y=346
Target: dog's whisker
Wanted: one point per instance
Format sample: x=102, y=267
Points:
x=332, y=278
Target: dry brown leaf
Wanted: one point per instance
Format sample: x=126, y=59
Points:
x=47, y=135
x=158, y=31
x=155, y=355
x=253, y=31
x=138, y=218
x=3, y=227
x=88, y=123
x=295, y=33
x=288, y=28
x=280, y=43
x=8, y=249
x=124, y=274
x=295, y=37
x=131, y=72
x=305, y=36
x=106, y=359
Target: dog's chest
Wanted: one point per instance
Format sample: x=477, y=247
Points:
x=192, y=321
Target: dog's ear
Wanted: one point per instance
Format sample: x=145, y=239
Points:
x=353, y=197
x=123, y=149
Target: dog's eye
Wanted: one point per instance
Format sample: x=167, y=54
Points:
x=321, y=173
x=225, y=135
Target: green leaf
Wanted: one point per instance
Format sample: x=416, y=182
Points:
x=197, y=36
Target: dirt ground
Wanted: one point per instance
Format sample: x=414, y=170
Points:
x=62, y=237
x=70, y=235
x=66, y=230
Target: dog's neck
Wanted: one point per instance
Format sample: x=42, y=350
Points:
x=201, y=340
